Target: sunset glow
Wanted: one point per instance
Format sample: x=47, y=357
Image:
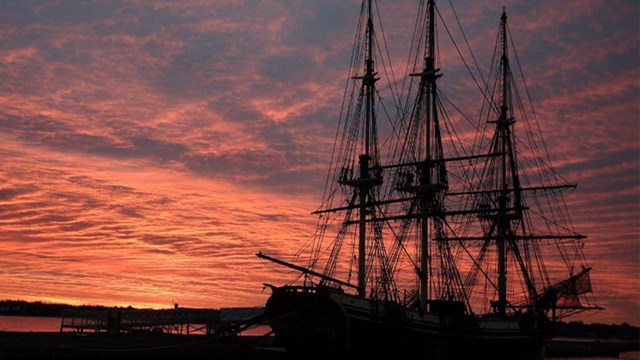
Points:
x=150, y=149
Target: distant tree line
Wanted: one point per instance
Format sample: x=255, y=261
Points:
x=38, y=308
x=578, y=329
x=573, y=329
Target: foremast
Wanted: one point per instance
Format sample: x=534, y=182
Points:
x=358, y=135
x=366, y=181
x=351, y=202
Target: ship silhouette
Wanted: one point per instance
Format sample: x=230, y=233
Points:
x=433, y=241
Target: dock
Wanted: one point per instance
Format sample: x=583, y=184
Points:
x=179, y=321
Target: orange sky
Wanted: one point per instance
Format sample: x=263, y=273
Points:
x=149, y=150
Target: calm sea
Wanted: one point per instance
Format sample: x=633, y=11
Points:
x=29, y=323
x=47, y=324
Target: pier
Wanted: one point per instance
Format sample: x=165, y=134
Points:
x=178, y=321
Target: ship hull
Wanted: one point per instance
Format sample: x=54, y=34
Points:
x=319, y=322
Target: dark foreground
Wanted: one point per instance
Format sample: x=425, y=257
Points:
x=15, y=345
x=101, y=346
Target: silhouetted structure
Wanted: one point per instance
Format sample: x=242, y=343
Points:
x=457, y=250
x=182, y=321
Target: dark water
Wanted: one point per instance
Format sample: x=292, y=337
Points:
x=633, y=355
x=48, y=324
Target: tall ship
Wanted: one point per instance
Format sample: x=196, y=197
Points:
x=439, y=235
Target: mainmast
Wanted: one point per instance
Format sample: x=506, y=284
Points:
x=431, y=171
x=430, y=91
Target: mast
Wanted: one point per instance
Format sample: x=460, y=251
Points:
x=513, y=218
x=429, y=82
x=503, y=221
x=508, y=209
x=357, y=163
x=430, y=168
x=365, y=183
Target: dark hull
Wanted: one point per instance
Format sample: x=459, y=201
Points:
x=323, y=322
